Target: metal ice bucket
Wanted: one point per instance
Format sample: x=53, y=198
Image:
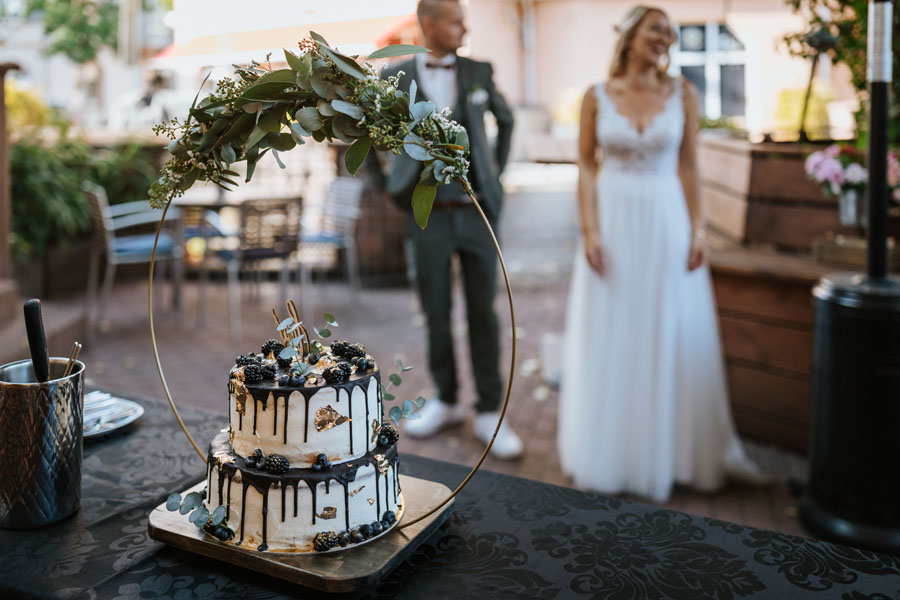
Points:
x=40, y=444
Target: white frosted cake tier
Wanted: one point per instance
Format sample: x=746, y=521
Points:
x=300, y=422
x=285, y=511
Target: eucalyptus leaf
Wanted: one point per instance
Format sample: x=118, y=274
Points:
x=228, y=154
x=293, y=61
x=298, y=129
x=239, y=127
x=413, y=144
x=318, y=38
x=322, y=333
x=408, y=407
x=396, y=415
x=212, y=134
x=439, y=167
x=173, y=502
x=348, y=108
x=344, y=63
x=322, y=84
x=190, y=502
x=422, y=201
x=412, y=416
x=422, y=110
x=284, y=324
x=252, y=107
x=413, y=89
x=395, y=379
x=419, y=402
x=270, y=121
x=309, y=118
x=399, y=362
x=397, y=50
x=462, y=139
x=325, y=109
x=329, y=318
x=279, y=141
x=388, y=397
x=287, y=353
x=218, y=516
x=200, y=516
x=270, y=82
x=278, y=159
x=256, y=136
x=406, y=368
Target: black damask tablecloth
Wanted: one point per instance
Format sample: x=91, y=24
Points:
x=507, y=538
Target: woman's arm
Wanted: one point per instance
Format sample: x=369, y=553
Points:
x=588, y=166
x=687, y=172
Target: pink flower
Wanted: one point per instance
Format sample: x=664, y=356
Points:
x=855, y=173
x=832, y=151
x=812, y=162
x=830, y=170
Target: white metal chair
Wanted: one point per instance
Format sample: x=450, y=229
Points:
x=106, y=222
x=333, y=234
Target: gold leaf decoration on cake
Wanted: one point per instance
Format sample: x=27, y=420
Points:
x=356, y=491
x=327, y=417
x=240, y=393
x=370, y=500
x=376, y=429
x=329, y=512
x=382, y=463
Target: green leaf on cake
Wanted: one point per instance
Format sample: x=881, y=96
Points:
x=389, y=397
x=409, y=410
x=395, y=379
x=173, y=502
x=285, y=324
x=287, y=353
x=330, y=320
x=419, y=402
x=322, y=333
x=406, y=368
x=191, y=501
x=396, y=415
x=200, y=516
x=218, y=516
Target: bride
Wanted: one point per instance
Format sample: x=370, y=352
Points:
x=643, y=400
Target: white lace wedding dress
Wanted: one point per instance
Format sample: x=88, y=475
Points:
x=643, y=400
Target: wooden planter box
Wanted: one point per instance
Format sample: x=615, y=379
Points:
x=759, y=194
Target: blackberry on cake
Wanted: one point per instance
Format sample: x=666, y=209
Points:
x=388, y=435
x=252, y=373
x=276, y=464
x=335, y=375
x=347, y=350
x=325, y=540
x=247, y=359
x=268, y=371
x=272, y=347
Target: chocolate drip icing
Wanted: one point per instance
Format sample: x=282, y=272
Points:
x=284, y=427
x=243, y=508
x=312, y=489
x=275, y=413
x=265, y=519
x=296, y=484
x=283, y=496
x=346, y=485
x=378, y=493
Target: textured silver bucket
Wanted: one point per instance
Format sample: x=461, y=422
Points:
x=40, y=444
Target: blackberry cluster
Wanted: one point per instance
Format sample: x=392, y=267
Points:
x=255, y=460
x=276, y=464
x=273, y=347
x=345, y=367
x=388, y=435
x=335, y=375
x=325, y=540
x=322, y=463
x=247, y=359
x=268, y=371
x=347, y=350
x=221, y=532
x=252, y=373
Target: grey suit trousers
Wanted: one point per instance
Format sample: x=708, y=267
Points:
x=459, y=231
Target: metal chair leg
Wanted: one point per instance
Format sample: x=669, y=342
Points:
x=107, y=290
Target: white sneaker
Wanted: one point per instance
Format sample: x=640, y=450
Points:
x=507, y=444
x=433, y=416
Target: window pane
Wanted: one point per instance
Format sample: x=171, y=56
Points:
x=732, y=90
x=692, y=38
x=727, y=40
x=696, y=76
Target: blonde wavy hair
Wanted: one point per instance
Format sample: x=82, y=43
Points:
x=626, y=31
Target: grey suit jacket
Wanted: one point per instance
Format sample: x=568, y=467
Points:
x=487, y=165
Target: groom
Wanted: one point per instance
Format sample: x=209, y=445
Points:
x=466, y=87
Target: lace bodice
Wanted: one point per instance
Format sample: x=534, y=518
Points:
x=651, y=151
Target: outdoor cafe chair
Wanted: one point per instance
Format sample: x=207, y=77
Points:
x=269, y=231
x=107, y=223
x=333, y=233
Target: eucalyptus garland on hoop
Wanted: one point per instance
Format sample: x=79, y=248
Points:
x=324, y=95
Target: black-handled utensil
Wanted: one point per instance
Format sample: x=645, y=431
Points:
x=37, y=342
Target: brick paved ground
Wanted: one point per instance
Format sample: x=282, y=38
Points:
x=537, y=235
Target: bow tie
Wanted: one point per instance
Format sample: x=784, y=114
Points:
x=435, y=65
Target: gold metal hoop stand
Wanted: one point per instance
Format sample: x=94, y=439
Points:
x=512, y=359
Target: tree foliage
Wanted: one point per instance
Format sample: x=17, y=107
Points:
x=847, y=21
x=78, y=28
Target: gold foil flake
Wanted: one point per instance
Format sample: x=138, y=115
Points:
x=327, y=417
x=240, y=395
x=329, y=512
x=357, y=490
x=376, y=429
x=382, y=463
x=370, y=500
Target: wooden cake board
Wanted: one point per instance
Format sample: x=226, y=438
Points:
x=349, y=570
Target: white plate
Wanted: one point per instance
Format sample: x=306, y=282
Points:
x=105, y=414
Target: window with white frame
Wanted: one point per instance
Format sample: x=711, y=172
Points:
x=712, y=58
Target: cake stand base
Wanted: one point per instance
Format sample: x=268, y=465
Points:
x=350, y=570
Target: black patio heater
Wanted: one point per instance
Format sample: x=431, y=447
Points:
x=853, y=495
